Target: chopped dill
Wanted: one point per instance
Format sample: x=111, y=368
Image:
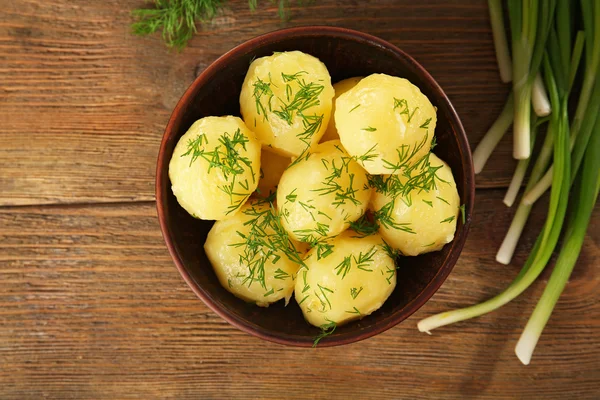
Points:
x=354, y=108
x=449, y=219
x=326, y=330
x=354, y=292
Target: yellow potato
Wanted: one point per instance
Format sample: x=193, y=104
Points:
x=340, y=88
x=236, y=248
x=386, y=122
x=319, y=196
x=286, y=101
x=272, y=166
x=422, y=221
x=350, y=283
x=215, y=167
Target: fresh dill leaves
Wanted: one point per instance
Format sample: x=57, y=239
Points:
x=442, y=199
x=354, y=311
x=384, y=217
x=323, y=297
x=266, y=241
x=270, y=292
x=406, y=156
x=354, y=108
x=281, y=274
x=429, y=203
x=390, y=251
x=178, y=19
x=344, y=267
x=390, y=274
x=425, y=125
x=354, y=292
x=429, y=245
x=364, y=226
x=368, y=156
x=402, y=105
x=227, y=157
x=462, y=213
x=291, y=197
x=362, y=262
x=338, y=171
x=326, y=330
x=369, y=129
x=262, y=88
x=449, y=219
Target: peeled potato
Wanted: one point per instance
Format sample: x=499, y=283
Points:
x=286, y=101
x=272, y=166
x=350, y=283
x=237, y=249
x=206, y=190
x=340, y=88
x=319, y=196
x=386, y=122
x=423, y=221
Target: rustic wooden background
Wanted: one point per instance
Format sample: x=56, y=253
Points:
x=91, y=305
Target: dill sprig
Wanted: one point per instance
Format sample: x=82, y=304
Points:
x=227, y=158
x=364, y=226
x=362, y=262
x=326, y=330
x=178, y=19
x=266, y=241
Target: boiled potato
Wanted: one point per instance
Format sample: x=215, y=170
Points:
x=240, y=249
x=339, y=88
x=272, y=166
x=320, y=195
x=421, y=221
x=352, y=282
x=386, y=122
x=215, y=167
x=286, y=101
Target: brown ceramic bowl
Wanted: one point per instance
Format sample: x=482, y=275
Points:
x=216, y=91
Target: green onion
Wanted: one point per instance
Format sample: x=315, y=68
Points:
x=530, y=23
x=500, y=44
x=492, y=137
x=589, y=186
x=586, y=111
x=539, y=98
x=547, y=239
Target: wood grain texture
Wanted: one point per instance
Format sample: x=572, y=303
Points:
x=91, y=306
x=84, y=103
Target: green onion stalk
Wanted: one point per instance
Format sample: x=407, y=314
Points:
x=493, y=136
x=548, y=238
x=500, y=42
x=530, y=23
x=586, y=110
x=588, y=188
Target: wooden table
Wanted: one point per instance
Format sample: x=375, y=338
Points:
x=91, y=305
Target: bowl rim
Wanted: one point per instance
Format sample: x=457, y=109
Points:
x=457, y=244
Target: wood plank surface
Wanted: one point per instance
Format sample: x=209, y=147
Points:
x=84, y=103
x=91, y=306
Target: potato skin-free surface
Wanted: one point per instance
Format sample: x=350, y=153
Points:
x=388, y=119
x=430, y=215
x=202, y=189
x=286, y=101
x=272, y=166
x=350, y=283
x=320, y=196
x=339, y=88
x=241, y=274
